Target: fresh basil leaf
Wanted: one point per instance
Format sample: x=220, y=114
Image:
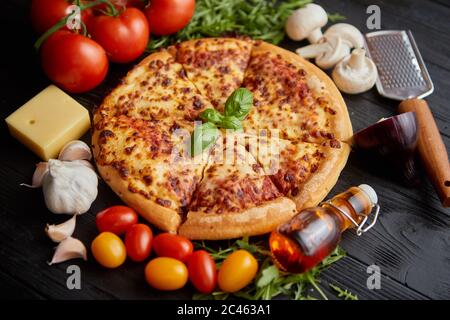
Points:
x=203, y=136
x=211, y=115
x=239, y=104
x=231, y=122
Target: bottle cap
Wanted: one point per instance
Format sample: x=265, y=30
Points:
x=370, y=192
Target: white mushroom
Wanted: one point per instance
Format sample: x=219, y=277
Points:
x=351, y=36
x=356, y=73
x=307, y=23
x=328, y=52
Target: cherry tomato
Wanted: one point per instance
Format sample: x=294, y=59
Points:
x=109, y=250
x=169, y=16
x=138, y=241
x=73, y=62
x=237, y=271
x=202, y=271
x=173, y=246
x=166, y=273
x=124, y=37
x=116, y=219
x=46, y=13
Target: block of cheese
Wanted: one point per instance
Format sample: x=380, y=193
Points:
x=48, y=121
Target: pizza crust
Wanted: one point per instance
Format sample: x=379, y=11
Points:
x=162, y=217
x=253, y=221
x=323, y=180
x=342, y=126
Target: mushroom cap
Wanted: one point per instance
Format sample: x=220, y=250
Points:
x=337, y=51
x=305, y=20
x=349, y=33
x=355, y=73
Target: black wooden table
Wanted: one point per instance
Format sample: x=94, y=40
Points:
x=410, y=244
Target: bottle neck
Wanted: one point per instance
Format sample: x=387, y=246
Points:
x=354, y=203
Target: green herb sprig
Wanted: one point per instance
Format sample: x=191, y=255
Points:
x=347, y=295
x=271, y=282
x=258, y=19
x=237, y=107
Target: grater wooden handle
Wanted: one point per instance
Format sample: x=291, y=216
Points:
x=431, y=148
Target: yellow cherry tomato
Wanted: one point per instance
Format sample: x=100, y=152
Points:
x=109, y=250
x=165, y=273
x=237, y=271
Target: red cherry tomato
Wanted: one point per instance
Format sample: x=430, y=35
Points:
x=45, y=13
x=202, y=271
x=116, y=219
x=138, y=241
x=172, y=246
x=123, y=37
x=169, y=16
x=73, y=62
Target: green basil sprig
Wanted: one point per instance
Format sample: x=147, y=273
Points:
x=237, y=107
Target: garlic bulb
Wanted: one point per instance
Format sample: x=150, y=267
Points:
x=61, y=231
x=68, y=249
x=69, y=187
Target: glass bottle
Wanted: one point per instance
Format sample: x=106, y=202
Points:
x=314, y=233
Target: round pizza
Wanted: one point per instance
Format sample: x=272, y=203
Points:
x=287, y=156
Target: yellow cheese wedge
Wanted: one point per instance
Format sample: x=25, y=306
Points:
x=48, y=121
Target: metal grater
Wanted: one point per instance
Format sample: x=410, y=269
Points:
x=402, y=74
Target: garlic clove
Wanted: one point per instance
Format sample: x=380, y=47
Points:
x=69, y=248
x=61, y=231
x=75, y=150
x=38, y=175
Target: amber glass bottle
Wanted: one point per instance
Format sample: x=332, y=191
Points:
x=314, y=233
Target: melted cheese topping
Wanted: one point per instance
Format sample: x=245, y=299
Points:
x=283, y=100
x=215, y=66
x=232, y=182
x=158, y=89
x=152, y=157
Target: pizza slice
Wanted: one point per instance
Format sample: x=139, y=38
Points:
x=216, y=66
x=147, y=163
x=234, y=198
x=157, y=88
x=302, y=171
x=292, y=95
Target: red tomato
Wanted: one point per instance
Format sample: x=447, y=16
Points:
x=73, y=62
x=45, y=13
x=138, y=241
x=169, y=16
x=172, y=246
x=119, y=4
x=202, y=271
x=123, y=37
x=116, y=219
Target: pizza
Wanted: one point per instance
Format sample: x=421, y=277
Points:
x=288, y=156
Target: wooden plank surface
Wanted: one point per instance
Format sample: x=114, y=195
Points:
x=411, y=243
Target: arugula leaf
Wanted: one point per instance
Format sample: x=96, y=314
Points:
x=211, y=115
x=239, y=104
x=204, y=136
x=347, y=295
